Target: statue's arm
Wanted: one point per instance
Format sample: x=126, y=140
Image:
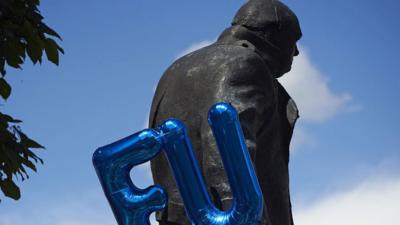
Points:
x=248, y=86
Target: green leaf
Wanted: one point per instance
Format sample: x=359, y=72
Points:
x=27, y=30
x=10, y=189
x=12, y=54
x=29, y=164
x=5, y=88
x=35, y=49
x=50, y=31
x=51, y=49
x=60, y=49
x=13, y=51
x=32, y=144
x=14, y=62
x=27, y=142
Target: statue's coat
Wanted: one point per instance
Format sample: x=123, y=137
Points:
x=234, y=70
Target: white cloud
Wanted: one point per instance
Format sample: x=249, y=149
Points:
x=141, y=175
x=146, y=122
x=374, y=201
x=195, y=47
x=301, y=137
x=309, y=88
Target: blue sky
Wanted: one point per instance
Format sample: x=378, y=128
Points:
x=345, y=161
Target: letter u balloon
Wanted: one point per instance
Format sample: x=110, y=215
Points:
x=132, y=205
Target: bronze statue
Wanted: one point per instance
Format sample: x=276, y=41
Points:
x=241, y=67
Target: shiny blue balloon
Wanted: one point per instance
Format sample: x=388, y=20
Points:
x=247, y=196
x=130, y=204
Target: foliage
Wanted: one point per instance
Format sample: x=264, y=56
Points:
x=15, y=155
x=22, y=33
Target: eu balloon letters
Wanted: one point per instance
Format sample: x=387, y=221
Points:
x=132, y=205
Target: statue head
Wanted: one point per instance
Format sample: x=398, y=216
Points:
x=274, y=22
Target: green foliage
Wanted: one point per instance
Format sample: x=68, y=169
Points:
x=22, y=33
x=15, y=155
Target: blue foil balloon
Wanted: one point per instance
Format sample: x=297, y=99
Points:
x=130, y=204
x=247, y=197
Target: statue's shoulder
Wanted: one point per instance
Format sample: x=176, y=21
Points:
x=244, y=62
x=232, y=62
x=218, y=54
x=239, y=50
x=243, y=55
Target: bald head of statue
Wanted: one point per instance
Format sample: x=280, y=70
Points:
x=277, y=25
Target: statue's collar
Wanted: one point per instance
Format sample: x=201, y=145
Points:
x=237, y=33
